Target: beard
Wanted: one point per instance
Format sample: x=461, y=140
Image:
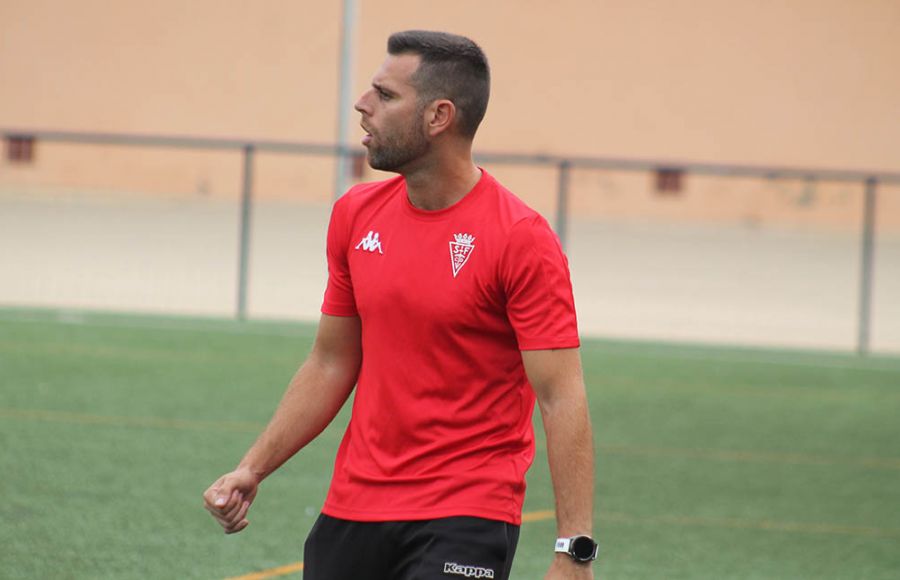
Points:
x=397, y=150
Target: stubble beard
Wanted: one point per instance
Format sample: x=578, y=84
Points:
x=398, y=151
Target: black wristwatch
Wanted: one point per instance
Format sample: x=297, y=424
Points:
x=582, y=549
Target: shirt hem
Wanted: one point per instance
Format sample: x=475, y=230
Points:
x=543, y=344
x=419, y=515
x=332, y=311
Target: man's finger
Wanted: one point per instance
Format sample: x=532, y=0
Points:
x=242, y=513
x=223, y=521
x=229, y=520
x=220, y=493
x=237, y=528
x=232, y=513
x=222, y=496
x=226, y=499
x=209, y=496
x=238, y=520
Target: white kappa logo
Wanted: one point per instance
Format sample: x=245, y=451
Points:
x=460, y=251
x=467, y=571
x=370, y=243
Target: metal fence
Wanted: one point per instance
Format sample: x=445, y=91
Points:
x=563, y=165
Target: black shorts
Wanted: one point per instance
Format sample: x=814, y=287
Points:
x=458, y=547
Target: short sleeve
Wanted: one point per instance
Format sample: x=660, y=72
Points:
x=339, y=299
x=539, y=301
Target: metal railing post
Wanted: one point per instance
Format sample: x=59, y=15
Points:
x=345, y=95
x=866, y=268
x=868, y=252
x=244, y=251
x=562, y=202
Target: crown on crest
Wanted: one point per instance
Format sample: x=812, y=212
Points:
x=464, y=239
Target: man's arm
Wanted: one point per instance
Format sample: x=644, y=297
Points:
x=557, y=379
x=313, y=398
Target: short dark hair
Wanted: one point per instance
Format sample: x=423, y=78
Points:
x=452, y=67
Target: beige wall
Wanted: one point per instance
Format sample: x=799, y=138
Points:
x=784, y=82
x=207, y=67
x=806, y=82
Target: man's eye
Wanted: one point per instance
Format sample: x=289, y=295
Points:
x=383, y=95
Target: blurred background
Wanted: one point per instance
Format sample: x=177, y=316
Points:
x=705, y=162
x=725, y=177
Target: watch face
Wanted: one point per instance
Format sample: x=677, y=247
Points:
x=583, y=548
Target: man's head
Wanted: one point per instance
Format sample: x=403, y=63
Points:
x=451, y=67
x=432, y=87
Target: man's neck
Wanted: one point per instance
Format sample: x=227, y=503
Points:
x=437, y=187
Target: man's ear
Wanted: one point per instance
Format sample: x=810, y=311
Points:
x=440, y=117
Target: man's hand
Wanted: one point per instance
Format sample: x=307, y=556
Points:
x=564, y=568
x=229, y=499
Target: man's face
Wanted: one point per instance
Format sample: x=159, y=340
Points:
x=391, y=116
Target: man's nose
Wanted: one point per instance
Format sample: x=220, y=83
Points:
x=360, y=105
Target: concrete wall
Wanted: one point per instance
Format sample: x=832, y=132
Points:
x=788, y=82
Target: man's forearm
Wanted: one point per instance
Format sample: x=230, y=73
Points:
x=570, y=451
x=315, y=395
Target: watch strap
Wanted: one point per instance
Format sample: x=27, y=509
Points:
x=563, y=545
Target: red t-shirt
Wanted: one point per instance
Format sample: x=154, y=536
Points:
x=441, y=423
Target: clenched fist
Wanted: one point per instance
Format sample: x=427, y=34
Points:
x=229, y=499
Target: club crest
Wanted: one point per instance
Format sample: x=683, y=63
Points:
x=460, y=251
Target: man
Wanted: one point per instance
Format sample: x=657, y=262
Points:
x=449, y=308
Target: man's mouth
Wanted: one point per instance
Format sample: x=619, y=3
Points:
x=367, y=138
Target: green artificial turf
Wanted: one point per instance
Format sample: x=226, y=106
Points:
x=712, y=462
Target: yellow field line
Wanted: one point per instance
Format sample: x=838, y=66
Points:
x=610, y=449
x=538, y=516
x=271, y=572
